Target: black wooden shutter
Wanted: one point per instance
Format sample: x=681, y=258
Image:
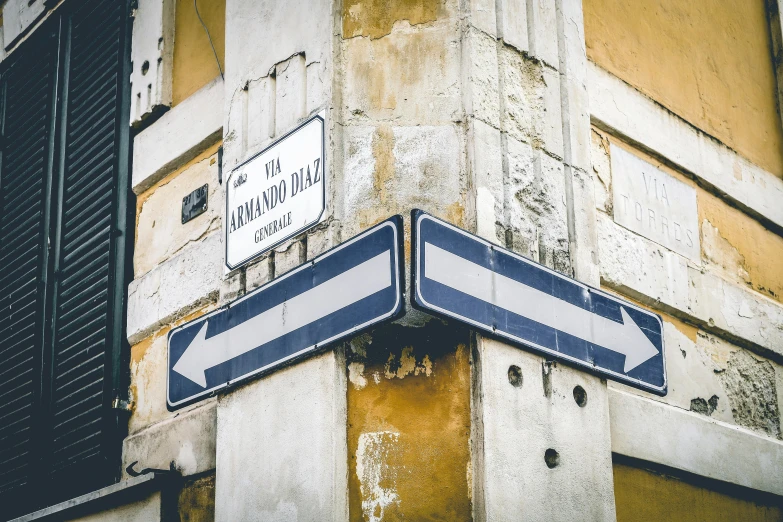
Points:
x=69, y=440
x=25, y=189
x=82, y=394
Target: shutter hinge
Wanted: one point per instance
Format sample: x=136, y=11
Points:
x=130, y=470
x=120, y=404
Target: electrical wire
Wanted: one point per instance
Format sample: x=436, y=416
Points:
x=220, y=68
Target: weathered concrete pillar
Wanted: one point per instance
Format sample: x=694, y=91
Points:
x=280, y=450
x=477, y=114
x=538, y=427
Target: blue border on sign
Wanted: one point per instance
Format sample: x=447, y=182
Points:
x=503, y=324
x=395, y=223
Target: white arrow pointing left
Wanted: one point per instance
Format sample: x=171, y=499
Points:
x=328, y=297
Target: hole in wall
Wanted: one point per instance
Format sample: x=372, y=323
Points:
x=515, y=376
x=552, y=458
x=145, y=67
x=580, y=396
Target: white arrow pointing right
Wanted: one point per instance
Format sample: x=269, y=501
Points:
x=484, y=284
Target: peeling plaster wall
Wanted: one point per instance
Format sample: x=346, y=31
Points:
x=160, y=233
x=709, y=372
x=734, y=245
x=401, y=107
x=376, y=18
x=409, y=424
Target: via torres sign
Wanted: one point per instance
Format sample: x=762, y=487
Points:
x=460, y=276
x=276, y=194
x=351, y=287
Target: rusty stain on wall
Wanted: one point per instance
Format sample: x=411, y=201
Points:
x=383, y=152
x=409, y=424
x=376, y=18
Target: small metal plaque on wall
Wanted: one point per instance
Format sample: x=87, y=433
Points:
x=195, y=203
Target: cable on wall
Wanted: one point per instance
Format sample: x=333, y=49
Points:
x=209, y=37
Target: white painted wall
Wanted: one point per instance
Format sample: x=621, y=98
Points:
x=281, y=446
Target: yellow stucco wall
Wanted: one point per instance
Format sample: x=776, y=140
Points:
x=709, y=61
x=645, y=496
x=194, y=62
x=409, y=425
x=741, y=246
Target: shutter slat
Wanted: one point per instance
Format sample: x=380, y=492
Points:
x=22, y=342
x=78, y=355
x=17, y=191
x=28, y=200
x=80, y=291
x=15, y=382
x=28, y=116
x=99, y=161
x=90, y=216
x=18, y=275
x=29, y=159
x=95, y=264
x=83, y=152
x=86, y=383
x=24, y=246
x=26, y=84
x=96, y=186
x=14, y=228
x=86, y=327
x=97, y=342
x=98, y=229
x=75, y=426
x=100, y=127
x=10, y=370
x=96, y=295
x=100, y=99
x=89, y=248
x=16, y=406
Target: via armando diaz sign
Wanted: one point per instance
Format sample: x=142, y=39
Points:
x=277, y=194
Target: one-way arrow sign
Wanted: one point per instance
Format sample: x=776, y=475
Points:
x=349, y=288
x=461, y=276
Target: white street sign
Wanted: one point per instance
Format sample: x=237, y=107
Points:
x=276, y=194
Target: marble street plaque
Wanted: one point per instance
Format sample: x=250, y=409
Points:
x=655, y=204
